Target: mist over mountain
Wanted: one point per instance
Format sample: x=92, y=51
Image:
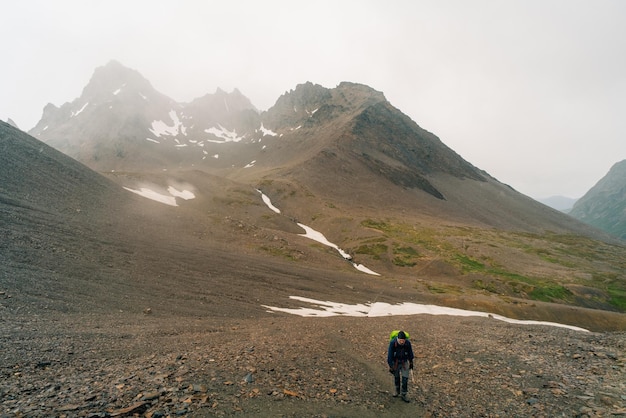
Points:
x=120, y=121
x=604, y=205
x=562, y=203
x=341, y=160
x=346, y=143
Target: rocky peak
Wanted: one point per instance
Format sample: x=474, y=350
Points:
x=305, y=95
x=604, y=205
x=222, y=102
x=355, y=94
x=12, y=123
x=113, y=79
x=296, y=107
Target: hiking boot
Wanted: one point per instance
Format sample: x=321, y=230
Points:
x=396, y=393
x=404, y=398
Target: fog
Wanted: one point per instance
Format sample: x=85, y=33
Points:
x=532, y=92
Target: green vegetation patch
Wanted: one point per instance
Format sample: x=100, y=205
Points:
x=405, y=256
x=287, y=253
x=550, y=292
x=468, y=264
x=441, y=288
x=374, y=250
x=617, y=297
x=574, y=259
x=379, y=225
x=489, y=286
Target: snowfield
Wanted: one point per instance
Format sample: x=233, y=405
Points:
x=326, y=309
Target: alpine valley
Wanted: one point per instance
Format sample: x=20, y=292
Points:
x=114, y=304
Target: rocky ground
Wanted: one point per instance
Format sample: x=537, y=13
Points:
x=112, y=305
x=125, y=364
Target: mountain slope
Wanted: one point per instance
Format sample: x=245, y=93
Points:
x=349, y=145
x=25, y=159
x=346, y=144
x=121, y=121
x=345, y=162
x=74, y=241
x=352, y=125
x=115, y=305
x=604, y=205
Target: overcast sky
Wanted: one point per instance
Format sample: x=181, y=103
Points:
x=531, y=91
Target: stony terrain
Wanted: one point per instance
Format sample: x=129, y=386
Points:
x=114, y=305
x=126, y=364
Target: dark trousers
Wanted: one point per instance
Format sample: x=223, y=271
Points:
x=401, y=377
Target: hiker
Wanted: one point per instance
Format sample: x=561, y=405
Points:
x=400, y=361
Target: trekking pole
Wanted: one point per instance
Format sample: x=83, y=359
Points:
x=412, y=377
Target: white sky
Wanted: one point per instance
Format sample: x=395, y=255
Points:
x=533, y=92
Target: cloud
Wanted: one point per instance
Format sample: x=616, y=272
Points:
x=531, y=92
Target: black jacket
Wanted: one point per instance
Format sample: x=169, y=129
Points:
x=399, y=353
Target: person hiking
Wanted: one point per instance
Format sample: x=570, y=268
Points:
x=400, y=361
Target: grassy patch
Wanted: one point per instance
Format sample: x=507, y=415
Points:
x=292, y=255
x=482, y=285
x=440, y=288
x=617, y=296
x=405, y=256
x=374, y=250
x=549, y=292
x=562, y=259
x=468, y=264
x=379, y=225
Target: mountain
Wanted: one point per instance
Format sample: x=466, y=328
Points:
x=561, y=203
x=347, y=143
x=347, y=163
x=115, y=305
x=12, y=123
x=77, y=242
x=604, y=205
x=121, y=121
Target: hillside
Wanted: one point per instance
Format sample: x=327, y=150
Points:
x=604, y=205
x=347, y=163
x=113, y=305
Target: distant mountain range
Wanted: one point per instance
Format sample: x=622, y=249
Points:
x=562, y=203
x=347, y=143
x=604, y=205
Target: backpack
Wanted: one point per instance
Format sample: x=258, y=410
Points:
x=394, y=334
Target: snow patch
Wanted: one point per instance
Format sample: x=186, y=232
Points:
x=79, y=110
x=267, y=131
x=168, y=199
x=224, y=134
x=376, y=309
x=151, y=194
x=159, y=127
x=268, y=202
x=183, y=194
x=319, y=237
